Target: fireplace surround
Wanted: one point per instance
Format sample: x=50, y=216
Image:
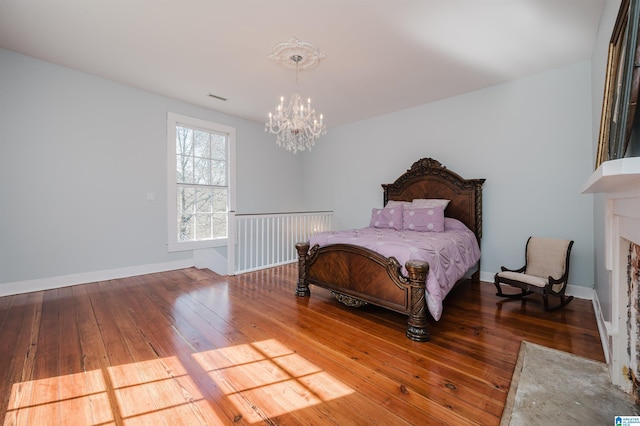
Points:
x=619, y=182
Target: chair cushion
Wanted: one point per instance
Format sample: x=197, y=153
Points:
x=524, y=278
x=546, y=257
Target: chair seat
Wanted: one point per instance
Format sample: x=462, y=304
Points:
x=524, y=278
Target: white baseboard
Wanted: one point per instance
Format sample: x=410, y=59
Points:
x=602, y=327
x=27, y=286
x=580, y=292
x=487, y=276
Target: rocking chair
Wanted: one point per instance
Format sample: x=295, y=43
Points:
x=546, y=271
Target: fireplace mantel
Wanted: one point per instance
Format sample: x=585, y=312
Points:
x=614, y=176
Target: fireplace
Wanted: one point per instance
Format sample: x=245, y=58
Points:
x=633, y=316
x=619, y=182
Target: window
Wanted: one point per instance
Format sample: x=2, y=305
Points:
x=200, y=164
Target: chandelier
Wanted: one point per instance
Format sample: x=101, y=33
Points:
x=295, y=124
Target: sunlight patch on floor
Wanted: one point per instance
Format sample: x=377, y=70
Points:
x=262, y=379
x=266, y=379
x=79, y=397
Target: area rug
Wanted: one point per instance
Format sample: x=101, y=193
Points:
x=555, y=387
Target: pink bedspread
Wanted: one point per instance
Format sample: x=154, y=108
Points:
x=450, y=254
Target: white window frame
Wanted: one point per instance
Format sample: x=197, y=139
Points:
x=173, y=120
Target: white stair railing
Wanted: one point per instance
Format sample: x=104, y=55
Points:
x=259, y=241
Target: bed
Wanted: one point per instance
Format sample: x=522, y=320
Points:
x=358, y=275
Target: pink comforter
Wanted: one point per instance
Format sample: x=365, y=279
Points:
x=450, y=254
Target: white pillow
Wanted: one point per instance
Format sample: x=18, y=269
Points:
x=394, y=203
x=422, y=203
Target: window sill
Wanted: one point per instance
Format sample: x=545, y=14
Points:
x=195, y=245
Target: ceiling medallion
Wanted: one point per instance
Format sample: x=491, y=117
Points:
x=309, y=54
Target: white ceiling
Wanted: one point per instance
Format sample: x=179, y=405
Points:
x=381, y=55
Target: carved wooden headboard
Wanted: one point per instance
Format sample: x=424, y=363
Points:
x=427, y=178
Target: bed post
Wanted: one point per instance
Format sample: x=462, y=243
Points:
x=302, y=289
x=417, y=324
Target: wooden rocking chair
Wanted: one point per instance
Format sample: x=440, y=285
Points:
x=546, y=271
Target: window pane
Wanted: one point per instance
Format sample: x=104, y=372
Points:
x=202, y=144
x=219, y=225
x=219, y=200
x=186, y=199
x=219, y=147
x=202, y=171
x=184, y=169
x=203, y=226
x=218, y=172
x=184, y=140
x=204, y=200
x=185, y=227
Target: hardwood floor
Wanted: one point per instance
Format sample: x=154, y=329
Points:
x=191, y=347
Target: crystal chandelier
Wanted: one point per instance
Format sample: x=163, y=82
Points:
x=295, y=124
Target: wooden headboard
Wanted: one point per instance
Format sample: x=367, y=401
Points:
x=427, y=178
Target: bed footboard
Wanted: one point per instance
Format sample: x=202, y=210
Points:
x=356, y=274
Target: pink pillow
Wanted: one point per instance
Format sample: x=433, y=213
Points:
x=429, y=219
x=390, y=217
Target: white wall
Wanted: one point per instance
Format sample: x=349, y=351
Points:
x=530, y=138
x=78, y=155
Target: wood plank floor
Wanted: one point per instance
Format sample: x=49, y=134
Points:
x=191, y=347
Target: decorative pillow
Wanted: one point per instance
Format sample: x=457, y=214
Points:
x=420, y=203
x=389, y=217
x=429, y=219
x=394, y=203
